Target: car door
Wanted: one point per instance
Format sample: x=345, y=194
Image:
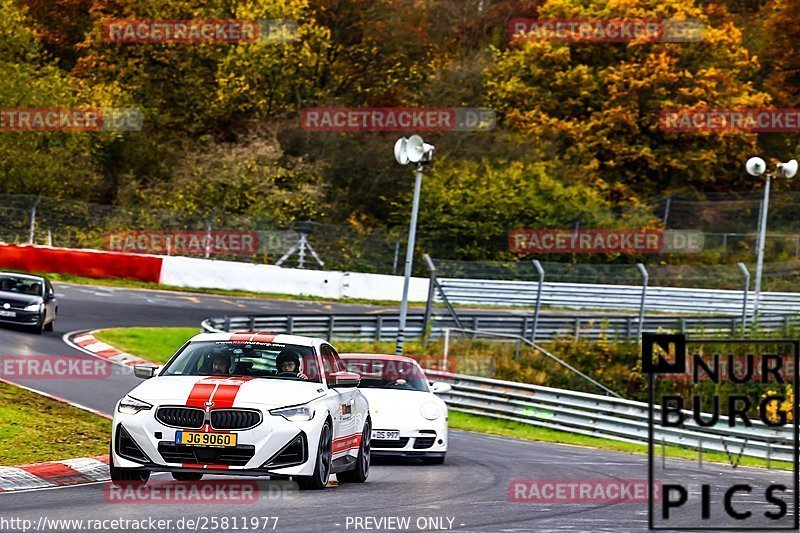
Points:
x=345, y=427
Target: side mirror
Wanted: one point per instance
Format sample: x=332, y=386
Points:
x=145, y=371
x=440, y=387
x=49, y=297
x=345, y=379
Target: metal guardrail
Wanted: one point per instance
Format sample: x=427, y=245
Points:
x=607, y=417
x=612, y=297
x=383, y=327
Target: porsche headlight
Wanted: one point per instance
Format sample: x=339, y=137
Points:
x=33, y=307
x=430, y=410
x=131, y=406
x=302, y=413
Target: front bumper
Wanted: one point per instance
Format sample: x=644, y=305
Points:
x=275, y=446
x=419, y=443
x=23, y=318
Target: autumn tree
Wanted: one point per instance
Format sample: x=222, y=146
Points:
x=599, y=104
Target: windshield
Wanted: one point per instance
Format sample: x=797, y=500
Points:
x=253, y=359
x=19, y=285
x=388, y=374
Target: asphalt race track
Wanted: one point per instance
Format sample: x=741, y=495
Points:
x=469, y=493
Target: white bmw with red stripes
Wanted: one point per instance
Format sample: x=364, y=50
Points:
x=245, y=403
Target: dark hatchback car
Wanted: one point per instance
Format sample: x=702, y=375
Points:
x=27, y=300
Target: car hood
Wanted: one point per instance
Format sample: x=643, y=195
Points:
x=395, y=403
x=226, y=392
x=18, y=300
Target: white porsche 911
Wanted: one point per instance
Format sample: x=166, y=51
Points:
x=245, y=403
x=408, y=419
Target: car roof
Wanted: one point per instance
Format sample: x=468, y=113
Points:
x=258, y=336
x=24, y=276
x=378, y=356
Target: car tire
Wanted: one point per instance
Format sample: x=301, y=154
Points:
x=433, y=460
x=50, y=325
x=39, y=328
x=187, y=476
x=121, y=477
x=323, y=461
x=360, y=472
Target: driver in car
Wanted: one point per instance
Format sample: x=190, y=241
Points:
x=288, y=364
x=220, y=364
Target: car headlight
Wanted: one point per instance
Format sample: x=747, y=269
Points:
x=131, y=406
x=302, y=413
x=33, y=307
x=430, y=410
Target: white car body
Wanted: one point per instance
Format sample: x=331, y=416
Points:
x=405, y=423
x=260, y=449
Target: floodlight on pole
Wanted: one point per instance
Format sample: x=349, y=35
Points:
x=411, y=150
x=757, y=167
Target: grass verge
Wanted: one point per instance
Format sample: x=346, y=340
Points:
x=153, y=344
x=36, y=429
x=518, y=430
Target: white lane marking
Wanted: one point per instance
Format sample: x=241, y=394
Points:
x=68, y=342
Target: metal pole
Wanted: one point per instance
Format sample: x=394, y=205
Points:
x=666, y=210
x=412, y=233
x=762, y=236
x=746, y=274
x=645, y=278
x=540, y=271
x=446, y=348
x=33, y=218
x=396, y=256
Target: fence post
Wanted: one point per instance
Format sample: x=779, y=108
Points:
x=33, y=218
x=645, y=278
x=746, y=274
x=431, y=289
x=540, y=271
x=208, y=232
x=396, y=256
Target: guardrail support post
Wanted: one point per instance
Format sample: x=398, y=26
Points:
x=331, y=320
x=33, y=218
x=227, y=323
x=252, y=323
x=378, y=328
x=645, y=278
x=446, y=348
x=289, y=324
x=538, y=266
x=746, y=274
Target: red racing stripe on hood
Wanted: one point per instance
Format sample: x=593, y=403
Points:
x=219, y=390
